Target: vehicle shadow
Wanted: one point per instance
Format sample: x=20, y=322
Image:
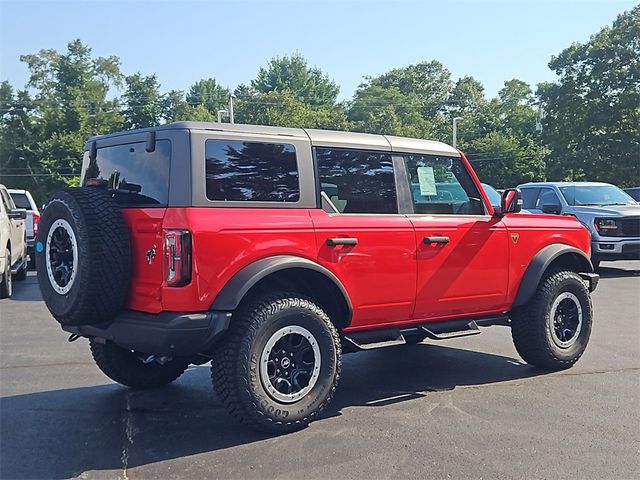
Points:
x=607, y=271
x=26, y=290
x=64, y=433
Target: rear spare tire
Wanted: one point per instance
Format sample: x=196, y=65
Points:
x=83, y=256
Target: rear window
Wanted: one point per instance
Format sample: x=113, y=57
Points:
x=251, y=171
x=21, y=200
x=134, y=176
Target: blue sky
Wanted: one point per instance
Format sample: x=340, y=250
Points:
x=184, y=41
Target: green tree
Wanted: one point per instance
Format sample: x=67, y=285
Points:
x=209, y=94
x=285, y=109
x=292, y=74
x=592, y=112
x=430, y=81
x=504, y=161
x=72, y=101
x=144, y=105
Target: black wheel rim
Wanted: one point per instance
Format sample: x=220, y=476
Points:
x=290, y=364
x=566, y=316
x=61, y=256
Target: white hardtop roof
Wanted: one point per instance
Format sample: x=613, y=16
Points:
x=319, y=138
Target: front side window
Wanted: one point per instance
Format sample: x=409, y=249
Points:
x=529, y=197
x=442, y=185
x=357, y=181
x=547, y=197
x=251, y=171
x=133, y=176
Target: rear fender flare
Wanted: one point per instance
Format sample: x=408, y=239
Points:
x=235, y=289
x=541, y=262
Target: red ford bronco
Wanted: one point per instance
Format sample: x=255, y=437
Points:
x=272, y=251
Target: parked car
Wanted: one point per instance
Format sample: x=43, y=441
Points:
x=13, y=243
x=23, y=199
x=272, y=251
x=495, y=198
x=633, y=192
x=612, y=216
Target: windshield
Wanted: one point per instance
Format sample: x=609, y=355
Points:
x=596, y=195
x=494, y=196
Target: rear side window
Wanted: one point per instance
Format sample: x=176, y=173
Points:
x=134, y=176
x=251, y=171
x=357, y=181
x=21, y=200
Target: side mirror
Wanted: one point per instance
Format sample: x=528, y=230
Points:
x=551, y=208
x=17, y=214
x=511, y=201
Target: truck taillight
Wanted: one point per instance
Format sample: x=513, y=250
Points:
x=177, y=254
x=36, y=221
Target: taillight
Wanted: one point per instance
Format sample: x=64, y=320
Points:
x=177, y=254
x=36, y=221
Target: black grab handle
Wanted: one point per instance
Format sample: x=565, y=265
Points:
x=429, y=240
x=332, y=242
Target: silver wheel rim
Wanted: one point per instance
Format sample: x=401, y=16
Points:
x=566, y=320
x=61, y=242
x=278, y=364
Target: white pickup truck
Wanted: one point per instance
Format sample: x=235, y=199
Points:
x=13, y=243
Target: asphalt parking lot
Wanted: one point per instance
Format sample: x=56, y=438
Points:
x=466, y=408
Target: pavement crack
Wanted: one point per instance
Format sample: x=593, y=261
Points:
x=127, y=423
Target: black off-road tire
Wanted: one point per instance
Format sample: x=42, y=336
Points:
x=99, y=289
x=532, y=324
x=125, y=367
x=6, y=283
x=235, y=370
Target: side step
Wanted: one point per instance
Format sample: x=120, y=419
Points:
x=368, y=340
x=472, y=329
x=18, y=265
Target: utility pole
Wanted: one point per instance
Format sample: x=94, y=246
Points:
x=455, y=131
x=231, y=120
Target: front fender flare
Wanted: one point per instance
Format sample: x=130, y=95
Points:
x=235, y=289
x=539, y=264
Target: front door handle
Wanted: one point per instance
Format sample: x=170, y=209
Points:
x=429, y=240
x=332, y=242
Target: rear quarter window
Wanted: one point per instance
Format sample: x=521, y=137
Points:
x=251, y=171
x=21, y=200
x=134, y=176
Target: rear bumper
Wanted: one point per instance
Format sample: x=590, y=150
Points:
x=167, y=333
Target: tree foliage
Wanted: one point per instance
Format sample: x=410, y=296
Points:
x=592, y=121
x=590, y=116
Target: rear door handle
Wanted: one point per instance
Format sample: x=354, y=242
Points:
x=332, y=242
x=429, y=240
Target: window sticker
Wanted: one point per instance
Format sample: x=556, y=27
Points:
x=427, y=181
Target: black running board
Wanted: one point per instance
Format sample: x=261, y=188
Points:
x=368, y=340
x=18, y=265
